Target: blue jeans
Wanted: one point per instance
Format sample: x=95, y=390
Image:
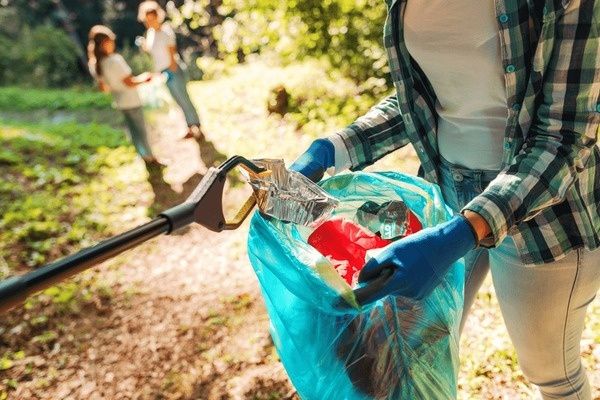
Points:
x=176, y=82
x=134, y=118
x=543, y=306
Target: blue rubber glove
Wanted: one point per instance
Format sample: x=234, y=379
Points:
x=314, y=162
x=419, y=261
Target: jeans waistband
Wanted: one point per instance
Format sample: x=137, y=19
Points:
x=459, y=173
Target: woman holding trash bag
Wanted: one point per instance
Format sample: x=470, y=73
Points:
x=160, y=43
x=501, y=101
x=114, y=75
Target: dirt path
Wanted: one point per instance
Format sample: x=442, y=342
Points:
x=190, y=326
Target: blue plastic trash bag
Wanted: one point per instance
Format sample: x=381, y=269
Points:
x=332, y=348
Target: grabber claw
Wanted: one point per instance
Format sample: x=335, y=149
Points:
x=204, y=206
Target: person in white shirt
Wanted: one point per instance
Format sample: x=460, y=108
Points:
x=160, y=43
x=114, y=75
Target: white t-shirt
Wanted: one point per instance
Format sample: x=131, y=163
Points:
x=158, y=43
x=114, y=70
x=456, y=44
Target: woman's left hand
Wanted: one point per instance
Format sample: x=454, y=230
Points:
x=314, y=162
x=420, y=261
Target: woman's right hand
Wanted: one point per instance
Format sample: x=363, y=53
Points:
x=314, y=162
x=140, y=41
x=103, y=86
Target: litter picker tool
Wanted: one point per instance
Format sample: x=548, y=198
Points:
x=204, y=207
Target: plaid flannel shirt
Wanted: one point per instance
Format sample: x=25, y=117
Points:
x=547, y=195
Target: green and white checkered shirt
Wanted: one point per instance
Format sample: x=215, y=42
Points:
x=547, y=195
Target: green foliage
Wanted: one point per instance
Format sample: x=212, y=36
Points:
x=78, y=15
x=55, y=188
x=8, y=359
x=49, y=56
x=10, y=22
x=322, y=97
x=138, y=60
x=47, y=337
x=310, y=107
x=5, y=363
x=18, y=99
x=348, y=34
x=42, y=56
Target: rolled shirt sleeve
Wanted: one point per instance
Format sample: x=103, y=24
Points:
x=372, y=136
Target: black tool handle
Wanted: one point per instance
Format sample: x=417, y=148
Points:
x=204, y=207
x=365, y=294
x=14, y=290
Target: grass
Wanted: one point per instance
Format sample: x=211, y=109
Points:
x=57, y=195
x=56, y=188
x=19, y=99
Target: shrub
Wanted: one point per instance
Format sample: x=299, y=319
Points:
x=138, y=60
x=43, y=56
x=321, y=97
x=50, y=56
x=348, y=34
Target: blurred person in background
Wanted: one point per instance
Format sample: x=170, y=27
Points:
x=113, y=75
x=501, y=101
x=160, y=43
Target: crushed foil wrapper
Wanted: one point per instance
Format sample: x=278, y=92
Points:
x=390, y=219
x=289, y=195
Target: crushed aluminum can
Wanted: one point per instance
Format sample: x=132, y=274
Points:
x=288, y=195
x=389, y=219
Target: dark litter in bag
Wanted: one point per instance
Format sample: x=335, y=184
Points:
x=333, y=347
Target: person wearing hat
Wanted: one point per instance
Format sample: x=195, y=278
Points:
x=501, y=101
x=114, y=75
x=160, y=43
